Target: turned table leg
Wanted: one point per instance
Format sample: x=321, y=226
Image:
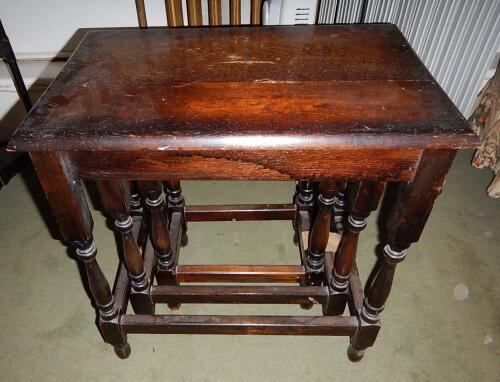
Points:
x=135, y=200
x=69, y=206
x=338, y=220
x=410, y=210
x=364, y=198
x=175, y=201
x=160, y=234
x=304, y=202
x=115, y=198
x=320, y=232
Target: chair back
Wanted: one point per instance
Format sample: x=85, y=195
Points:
x=175, y=17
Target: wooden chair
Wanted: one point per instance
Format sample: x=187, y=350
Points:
x=9, y=161
x=175, y=16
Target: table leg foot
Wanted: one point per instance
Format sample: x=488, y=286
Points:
x=184, y=239
x=354, y=355
x=307, y=306
x=122, y=351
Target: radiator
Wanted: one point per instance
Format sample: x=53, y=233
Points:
x=458, y=40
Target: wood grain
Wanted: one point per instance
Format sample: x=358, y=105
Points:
x=194, y=13
x=270, y=325
x=141, y=13
x=240, y=273
x=244, y=89
x=214, y=12
x=174, y=13
x=380, y=164
x=235, y=12
x=255, y=12
x=240, y=212
x=65, y=196
x=241, y=294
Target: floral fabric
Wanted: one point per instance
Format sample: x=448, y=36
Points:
x=485, y=121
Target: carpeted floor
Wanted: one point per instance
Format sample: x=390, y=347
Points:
x=441, y=323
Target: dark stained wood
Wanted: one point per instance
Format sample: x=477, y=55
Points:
x=151, y=190
x=67, y=201
x=324, y=106
x=240, y=273
x=168, y=275
x=240, y=212
x=316, y=164
x=411, y=209
x=99, y=286
x=364, y=198
x=136, y=204
x=174, y=193
x=176, y=231
x=305, y=195
x=176, y=202
x=121, y=286
x=149, y=261
x=115, y=198
x=104, y=300
x=356, y=294
x=374, y=303
x=338, y=221
x=246, y=90
x=113, y=334
x=411, y=206
x=121, y=289
x=380, y=287
x=194, y=13
x=414, y=200
x=320, y=232
x=214, y=12
x=303, y=223
x=160, y=235
x=239, y=294
x=65, y=196
x=277, y=325
x=304, y=200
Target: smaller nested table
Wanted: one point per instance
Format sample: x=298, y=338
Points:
x=343, y=110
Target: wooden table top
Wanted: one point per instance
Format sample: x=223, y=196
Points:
x=349, y=86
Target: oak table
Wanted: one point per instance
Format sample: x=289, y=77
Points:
x=342, y=110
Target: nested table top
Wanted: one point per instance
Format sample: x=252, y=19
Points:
x=349, y=86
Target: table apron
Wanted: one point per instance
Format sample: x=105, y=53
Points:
x=353, y=164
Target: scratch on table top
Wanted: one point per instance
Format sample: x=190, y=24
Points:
x=248, y=62
x=186, y=84
x=269, y=81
